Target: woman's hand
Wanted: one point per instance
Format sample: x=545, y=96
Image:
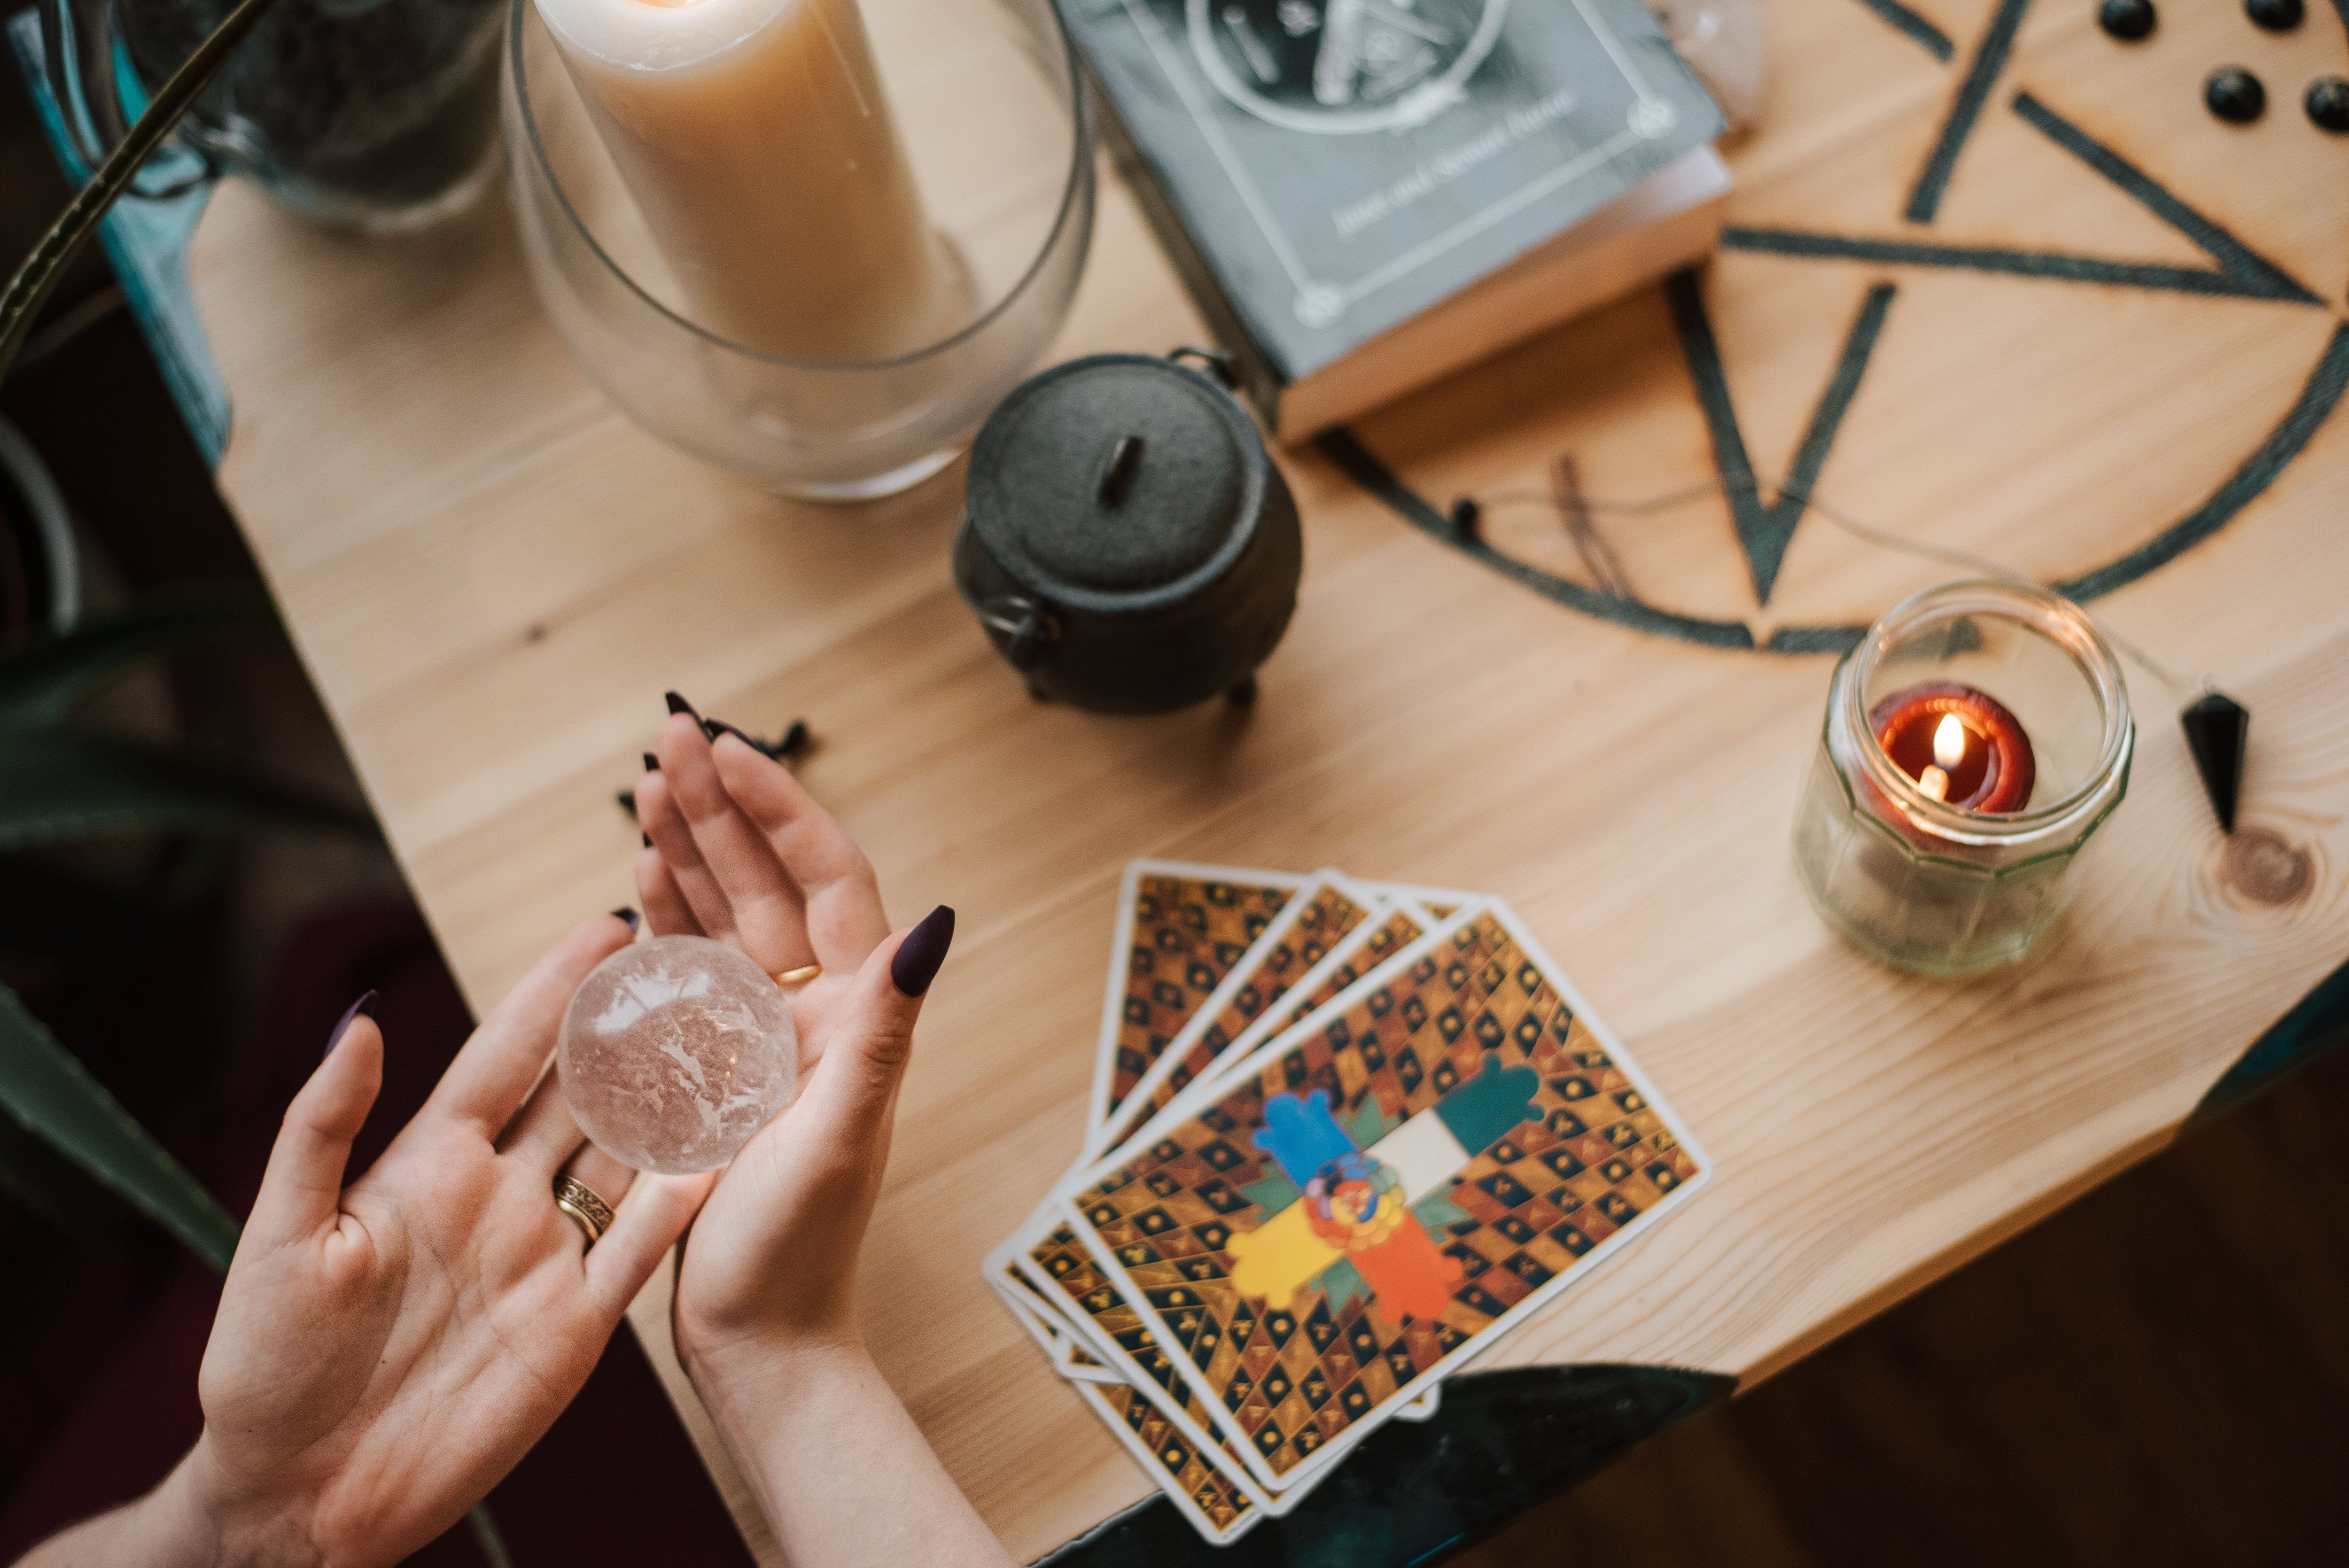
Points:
x=386, y=1352
x=741, y=853
x=765, y=1313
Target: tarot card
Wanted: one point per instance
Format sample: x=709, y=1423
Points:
x=1373, y=1197
x=1180, y=930
x=1321, y=914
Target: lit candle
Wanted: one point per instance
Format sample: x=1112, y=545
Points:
x=1961, y=746
x=758, y=146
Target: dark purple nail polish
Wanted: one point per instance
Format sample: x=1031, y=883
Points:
x=652, y=763
x=678, y=705
x=628, y=917
x=916, y=963
x=362, y=1008
x=714, y=728
x=647, y=838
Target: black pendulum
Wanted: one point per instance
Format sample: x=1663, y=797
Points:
x=2235, y=94
x=2216, y=728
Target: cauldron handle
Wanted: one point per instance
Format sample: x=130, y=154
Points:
x=1032, y=631
x=1218, y=364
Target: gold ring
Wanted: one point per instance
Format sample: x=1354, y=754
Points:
x=799, y=976
x=587, y=1210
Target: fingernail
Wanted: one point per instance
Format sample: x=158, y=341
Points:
x=647, y=838
x=362, y=1008
x=627, y=916
x=678, y=705
x=714, y=728
x=916, y=963
x=652, y=763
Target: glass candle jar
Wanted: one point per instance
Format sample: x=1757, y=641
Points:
x=990, y=106
x=1894, y=860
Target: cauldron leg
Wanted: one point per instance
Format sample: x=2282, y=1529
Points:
x=1242, y=690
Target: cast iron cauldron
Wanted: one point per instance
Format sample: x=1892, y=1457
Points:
x=1126, y=540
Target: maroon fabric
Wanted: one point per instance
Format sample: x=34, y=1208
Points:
x=615, y=1480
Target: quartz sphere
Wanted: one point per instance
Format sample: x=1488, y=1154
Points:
x=675, y=1051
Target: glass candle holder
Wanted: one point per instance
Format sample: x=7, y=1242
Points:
x=990, y=106
x=1906, y=875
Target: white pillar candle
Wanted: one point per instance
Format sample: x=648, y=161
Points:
x=757, y=142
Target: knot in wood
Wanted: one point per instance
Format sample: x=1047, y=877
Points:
x=2268, y=868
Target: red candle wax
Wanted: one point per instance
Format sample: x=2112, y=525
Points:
x=1960, y=745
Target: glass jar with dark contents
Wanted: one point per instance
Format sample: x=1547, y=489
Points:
x=367, y=114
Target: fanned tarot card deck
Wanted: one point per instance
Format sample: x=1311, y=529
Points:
x=1344, y=1135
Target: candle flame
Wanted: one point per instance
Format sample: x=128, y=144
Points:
x=1934, y=782
x=1948, y=744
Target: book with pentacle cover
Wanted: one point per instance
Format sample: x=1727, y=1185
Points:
x=1363, y=195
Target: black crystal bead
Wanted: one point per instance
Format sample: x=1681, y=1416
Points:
x=2328, y=103
x=2216, y=728
x=2125, y=19
x=2275, y=16
x=2235, y=94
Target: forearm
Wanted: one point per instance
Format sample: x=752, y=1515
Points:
x=183, y=1523
x=844, y=1477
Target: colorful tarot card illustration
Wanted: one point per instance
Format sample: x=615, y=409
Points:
x=1181, y=928
x=1320, y=914
x=1372, y=1197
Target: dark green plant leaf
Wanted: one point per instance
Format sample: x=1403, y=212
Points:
x=40, y=685
x=53, y=1188
x=58, y=784
x=30, y=288
x=52, y=1096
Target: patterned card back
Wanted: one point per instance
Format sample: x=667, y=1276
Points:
x=1327, y=916
x=1186, y=927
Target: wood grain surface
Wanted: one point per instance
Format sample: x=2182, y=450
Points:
x=493, y=577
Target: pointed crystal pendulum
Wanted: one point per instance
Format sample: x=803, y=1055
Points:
x=2215, y=730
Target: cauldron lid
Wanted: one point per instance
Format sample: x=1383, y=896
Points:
x=1066, y=510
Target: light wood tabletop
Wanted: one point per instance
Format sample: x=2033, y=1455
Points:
x=2033, y=303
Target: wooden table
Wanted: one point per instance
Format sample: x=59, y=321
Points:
x=2108, y=333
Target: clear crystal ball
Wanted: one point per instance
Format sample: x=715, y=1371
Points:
x=675, y=1051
